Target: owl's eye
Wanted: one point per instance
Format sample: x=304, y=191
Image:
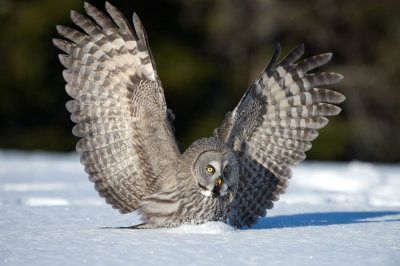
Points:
x=210, y=169
x=226, y=169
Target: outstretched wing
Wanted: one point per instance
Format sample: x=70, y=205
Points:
x=119, y=107
x=272, y=126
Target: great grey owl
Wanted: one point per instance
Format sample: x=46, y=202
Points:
x=128, y=145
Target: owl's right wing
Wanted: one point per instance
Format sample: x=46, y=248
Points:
x=119, y=107
x=272, y=126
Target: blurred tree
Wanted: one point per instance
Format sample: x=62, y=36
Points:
x=207, y=54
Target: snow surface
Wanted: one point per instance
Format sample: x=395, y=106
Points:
x=331, y=214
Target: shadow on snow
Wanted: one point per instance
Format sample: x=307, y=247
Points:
x=323, y=219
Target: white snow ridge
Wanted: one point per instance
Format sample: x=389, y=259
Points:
x=331, y=214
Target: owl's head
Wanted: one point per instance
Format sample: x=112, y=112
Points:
x=217, y=173
x=210, y=167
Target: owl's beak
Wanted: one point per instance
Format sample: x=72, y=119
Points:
x=215, y=191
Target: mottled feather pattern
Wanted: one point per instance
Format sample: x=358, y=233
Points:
x=183, y=202
x=250, y=195
x=278, y=130
x=111, y=76
x=167, y=209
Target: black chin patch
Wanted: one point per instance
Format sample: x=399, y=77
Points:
x=215, y=191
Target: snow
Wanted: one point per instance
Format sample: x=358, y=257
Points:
x=331, y=214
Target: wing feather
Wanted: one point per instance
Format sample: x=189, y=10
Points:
x=100, y=18
x=118, y=105
x=272, y=126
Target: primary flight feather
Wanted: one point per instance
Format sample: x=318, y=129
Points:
x=128, y=144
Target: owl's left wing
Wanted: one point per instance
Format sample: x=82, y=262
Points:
x=272, y=126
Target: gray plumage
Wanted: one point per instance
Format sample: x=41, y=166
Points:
x=128, y=145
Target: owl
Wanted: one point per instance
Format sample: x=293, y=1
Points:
x=127, y=140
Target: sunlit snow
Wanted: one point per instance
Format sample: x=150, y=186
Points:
x=331, y=214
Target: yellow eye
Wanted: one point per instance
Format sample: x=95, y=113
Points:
x=226, y=169
x=210, y=169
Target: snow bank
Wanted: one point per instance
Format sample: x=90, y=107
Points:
x=352, y=184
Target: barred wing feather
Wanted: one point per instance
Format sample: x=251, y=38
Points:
x=272, y=126
x=118, y=105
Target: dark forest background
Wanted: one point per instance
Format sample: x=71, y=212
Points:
x=207, y=53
